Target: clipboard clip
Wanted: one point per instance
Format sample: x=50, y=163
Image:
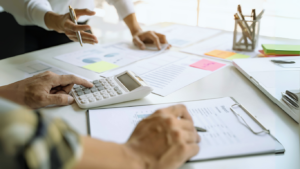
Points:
x=245, y=123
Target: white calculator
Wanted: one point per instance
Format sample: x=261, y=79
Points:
x=122, y=87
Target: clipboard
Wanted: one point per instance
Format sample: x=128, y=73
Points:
x=96, y=114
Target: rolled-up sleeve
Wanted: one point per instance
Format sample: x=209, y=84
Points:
x=28, y=12
x=124, y=7
x=29, y=140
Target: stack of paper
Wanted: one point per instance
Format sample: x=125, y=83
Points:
x=281, y=50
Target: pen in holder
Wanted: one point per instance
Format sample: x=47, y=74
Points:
x=246, y=34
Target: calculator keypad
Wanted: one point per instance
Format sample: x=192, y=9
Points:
x=102, y=89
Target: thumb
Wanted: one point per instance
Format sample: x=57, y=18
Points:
x=60, y=99
x=81, y=12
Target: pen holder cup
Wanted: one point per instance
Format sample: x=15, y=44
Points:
x=246, y=34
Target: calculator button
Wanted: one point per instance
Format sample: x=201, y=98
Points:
x=100, y=88
x=98, y=97
x=103, y=91
x=87, y=91
x=84, y=101
x=80, y=93
x=98, y=85
x=78, y=90
x=89, y=95
x=106, y=86
x=112, y=94
x=105, y=95
x=94, y=90
x=119, y=92
x=91, y=99
x=116, y=88
x=96, y=94
x=82, y=97
x=96, y=81
x=113, y=84
x=82, y=87
x=110, y=90
x=76, y=87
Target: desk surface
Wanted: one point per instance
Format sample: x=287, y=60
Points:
x=228, y=82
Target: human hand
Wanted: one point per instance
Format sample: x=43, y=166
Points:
x=141, y=38
x=44, y=89
x=64, y=24
x=166, y=139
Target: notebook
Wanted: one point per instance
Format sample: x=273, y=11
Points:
x=273, y=79
x=224, y=119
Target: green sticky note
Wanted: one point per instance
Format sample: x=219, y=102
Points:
x=237, y=56
x=281, y=49
x=101, y=66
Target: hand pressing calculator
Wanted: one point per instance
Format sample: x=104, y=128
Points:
x=123, y=87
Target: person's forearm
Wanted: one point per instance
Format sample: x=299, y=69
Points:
x=10, y=92
x=108, y=155
x=52, y=20
x=132, y=23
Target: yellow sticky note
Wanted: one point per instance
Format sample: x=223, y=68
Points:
x=220, y=54
x=101, y=66
x=238, y=56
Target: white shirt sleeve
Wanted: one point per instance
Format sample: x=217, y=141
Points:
x=124, y=7
x=28, y=12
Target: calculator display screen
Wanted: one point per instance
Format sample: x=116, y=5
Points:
x=128, y=82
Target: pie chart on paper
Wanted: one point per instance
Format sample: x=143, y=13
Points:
x=110, y=55
x=91, y=60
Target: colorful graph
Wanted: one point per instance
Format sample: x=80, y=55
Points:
x=91, y=60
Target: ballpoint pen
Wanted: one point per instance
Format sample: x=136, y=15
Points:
x=244, y=24
x=199, y=129
x=283, y=61
x=73, y=17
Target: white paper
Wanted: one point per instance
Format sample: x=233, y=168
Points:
x=223, y=42
x=167, y=72
x=226, y=135
x=180, y=35
x=36, y=67
x=120, y=54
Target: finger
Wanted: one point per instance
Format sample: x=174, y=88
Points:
x=179, y=111
x=84, y=41
x=70, y=26
x=155, y=39
x=59, y=99
x=183, y=153
x=162, y=38
x=64, y=80
x=179, y=135
x=137, y=42
x=84, y=35
x=67, y=89
x=81, y=12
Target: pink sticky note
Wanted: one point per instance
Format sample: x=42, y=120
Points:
x=207, y=65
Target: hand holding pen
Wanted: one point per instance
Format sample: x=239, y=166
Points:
x=64, y=24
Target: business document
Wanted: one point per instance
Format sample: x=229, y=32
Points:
x=226, y=136
x=167, y=72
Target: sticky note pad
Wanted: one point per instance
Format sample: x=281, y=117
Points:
x=101, y=66
x=207, y=65
x=237, y=56
x=220, y=54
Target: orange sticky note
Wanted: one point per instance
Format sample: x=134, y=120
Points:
x=220, y=54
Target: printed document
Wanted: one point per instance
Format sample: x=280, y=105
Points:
x=226, y=136
x=167, y=72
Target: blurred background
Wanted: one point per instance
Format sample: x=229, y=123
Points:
x=281, y=18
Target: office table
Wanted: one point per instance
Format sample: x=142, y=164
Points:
x=228, y=82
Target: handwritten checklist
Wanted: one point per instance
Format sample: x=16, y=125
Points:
x=207, y=65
